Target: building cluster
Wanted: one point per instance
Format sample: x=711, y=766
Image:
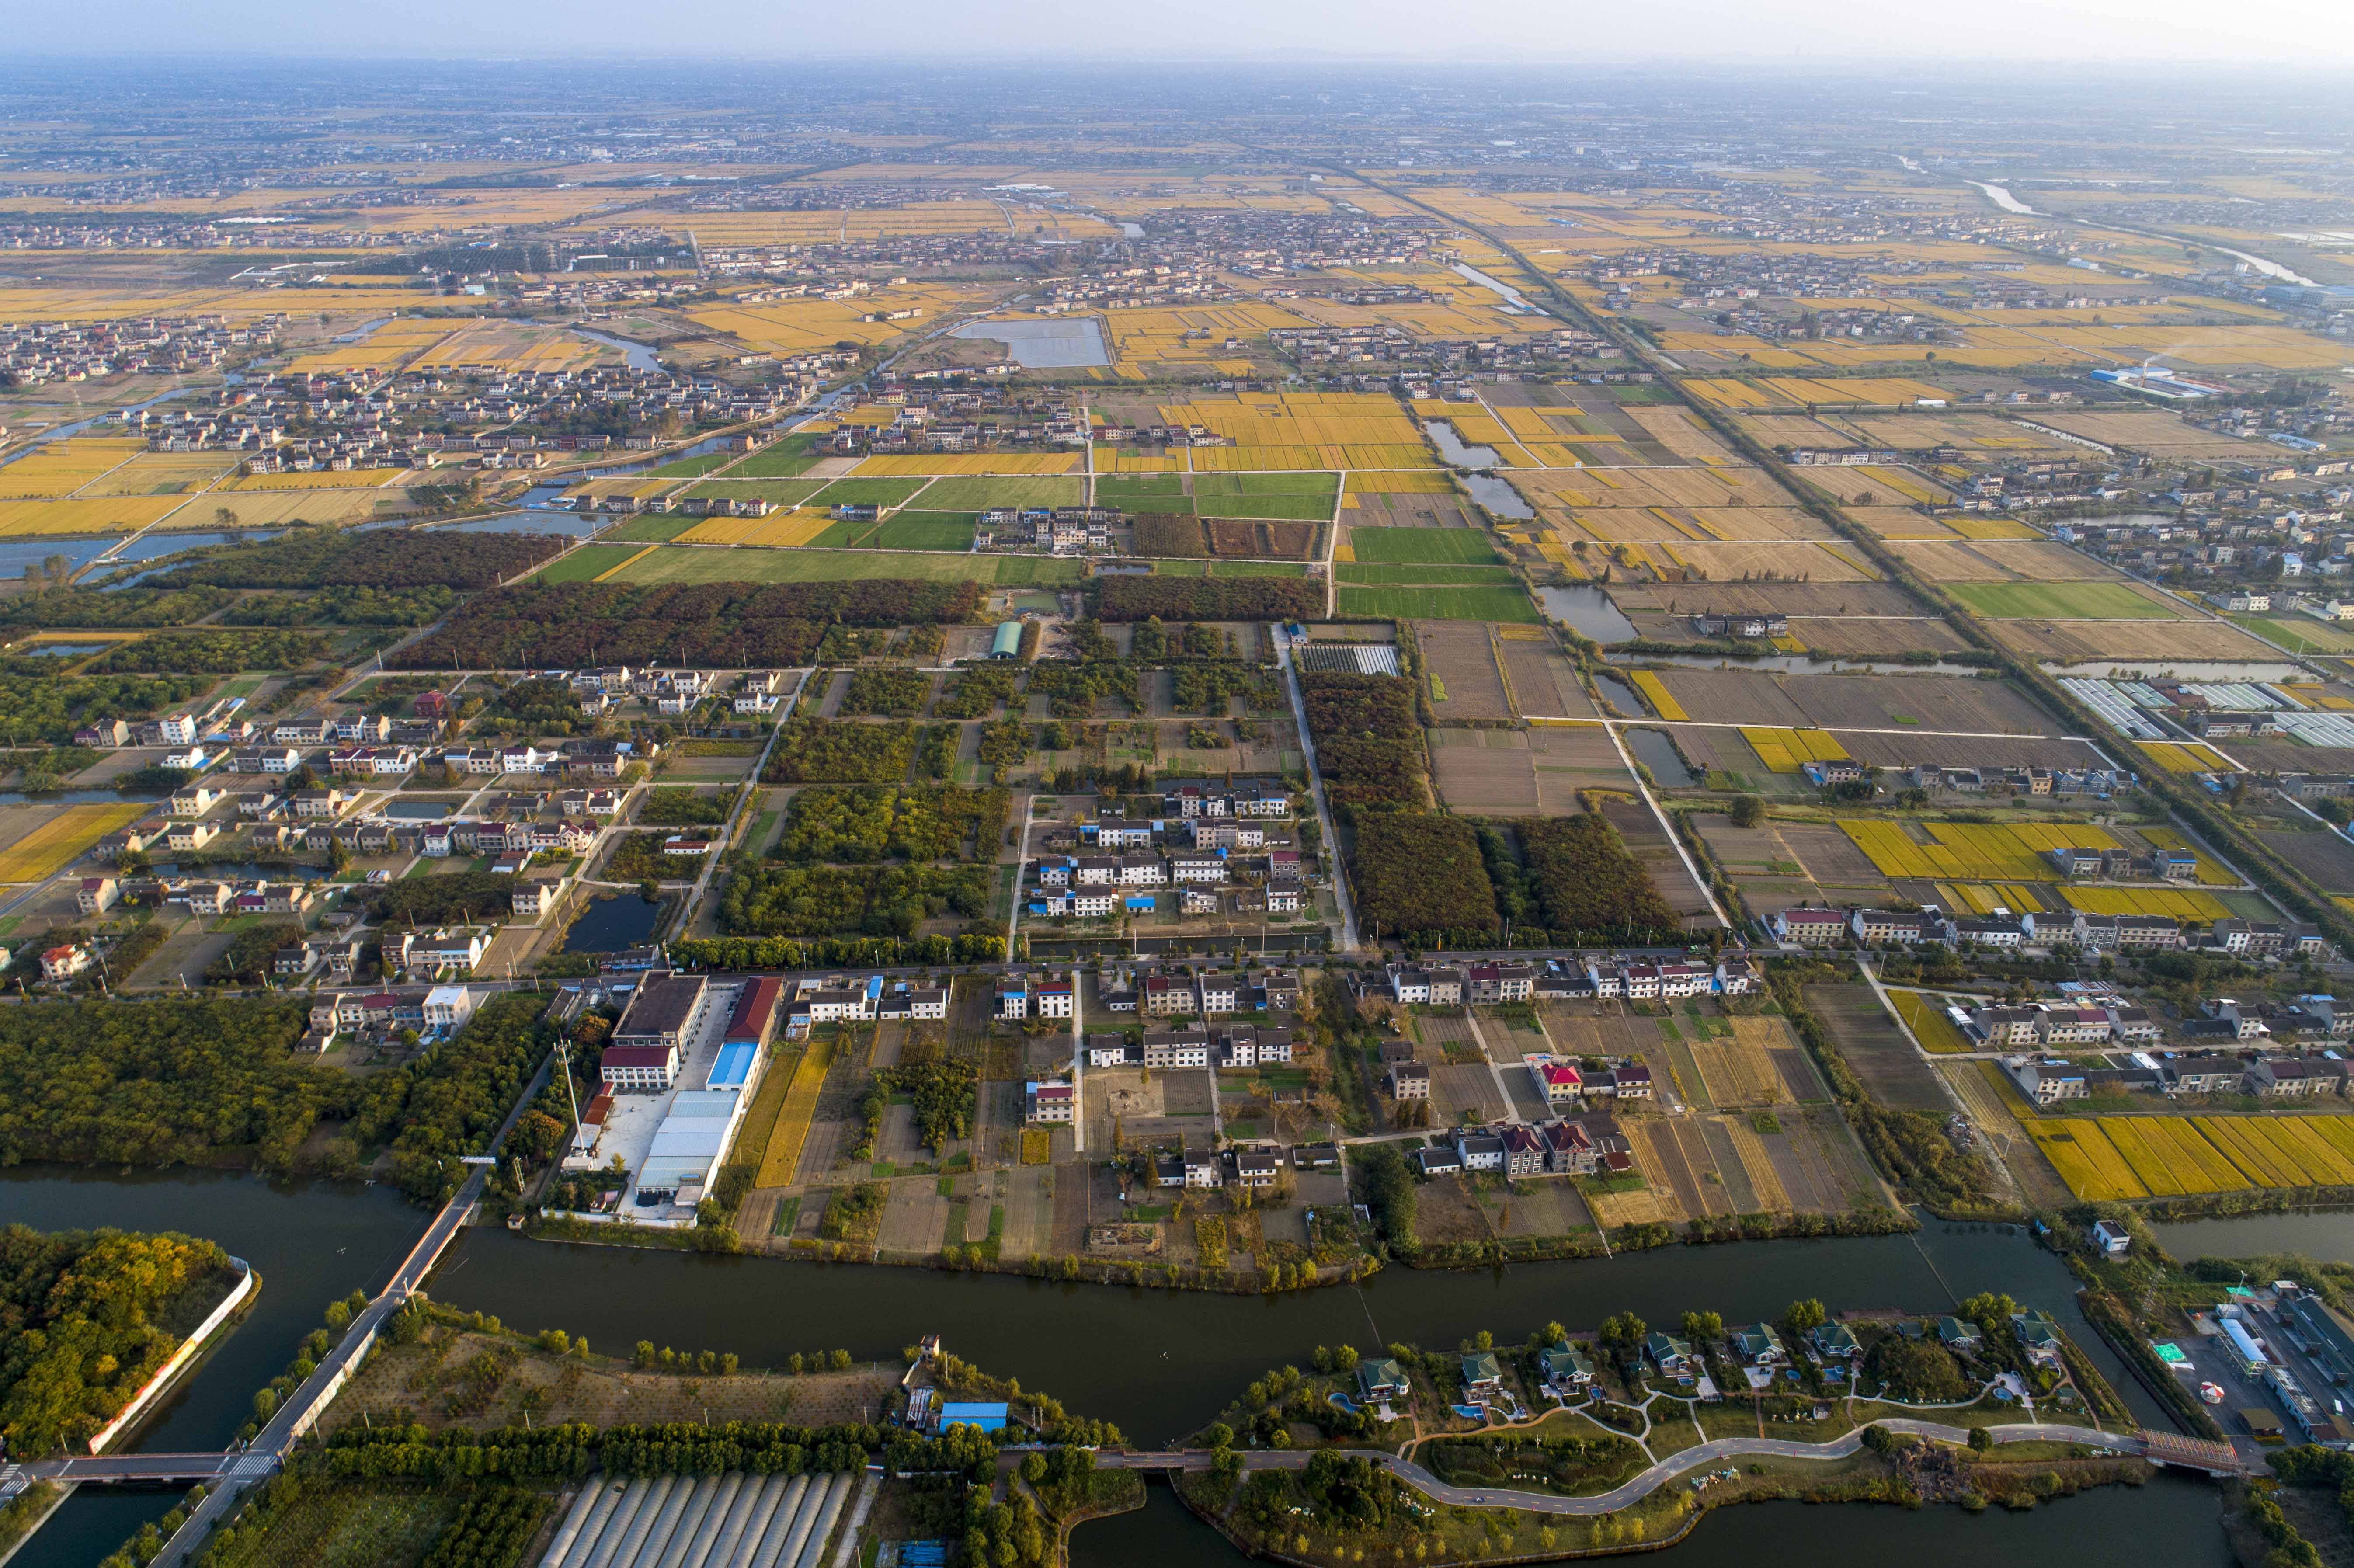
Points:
x=1572, y=978
x=1383, y=349
x=1812, y=927
x=484, y=416
x=1589, y=1144
x=33, y=353
x=1219, y=844
x=952, y=417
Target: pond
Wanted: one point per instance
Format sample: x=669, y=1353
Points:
x=1496, y=495
x=60, y=650
x=1510, y=295
x=2327, y=1237
x=1073, y=343
x=1450, y=447
x=1588, y=611
x=609, y=924
x=1655, y=751
x=1619, y=695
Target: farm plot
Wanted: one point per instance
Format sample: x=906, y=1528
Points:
x=1971, y=852
x=1924, y=1014
x=2328, y=858
x=1486, y=772
x=1893, y=1072
x=1571, y=758
x=1543, y=681
x=1650, y=846
x=2162, y=642
x=1434, y=546
x=1832, y=639
x=2064, y=601
x=1465, y=680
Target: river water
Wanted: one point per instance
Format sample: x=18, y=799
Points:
x=1158, y=1363
x=1063, y=343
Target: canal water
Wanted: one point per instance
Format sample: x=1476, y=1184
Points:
x=1619, y=692
x=1158, y=1363
x=1498, y=496
x=1588, y=611
x=1450, y=447
x=1655, y=751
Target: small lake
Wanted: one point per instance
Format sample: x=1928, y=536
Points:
x=610, y=925
x=16, y=555
x=1620, y=694
x=637, y=356
x=2325, y=1237
x=1589, y=610
x=1046, y=344
x=1450, y=447
x=1496, y=495
x=60, y=650
x=1655, y=751
x=2001, y=196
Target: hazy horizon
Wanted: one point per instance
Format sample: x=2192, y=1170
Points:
x=2073, y=33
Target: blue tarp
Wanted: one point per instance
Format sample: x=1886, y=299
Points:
x=988, y=1417
x=734, y=1065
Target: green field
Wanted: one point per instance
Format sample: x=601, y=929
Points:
x=843, y=535
x=1142, y=492
x=979, y=494
x=1229, y=570
x=693, y=467
x=1295, y=508
x=869, y=491
x=923, y=531
x=1457, y=546
x=2299, y=634
x=782, y=460
x=1488, y=603
x=587, y=561
x=777, y=492
x=1310, y=482
x=657, y=529
x=2061, y=601
x=815, y=565
x=1408, y=572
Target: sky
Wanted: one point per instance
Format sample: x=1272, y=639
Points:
x=2299, y=33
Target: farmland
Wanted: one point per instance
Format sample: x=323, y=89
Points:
x=2105, y=1159
x=2062, y=601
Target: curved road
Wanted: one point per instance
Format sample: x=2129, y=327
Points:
x=1644, y=1482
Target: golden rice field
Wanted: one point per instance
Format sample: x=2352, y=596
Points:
x=792, y=1124
x=2177, y=903
x=99, y=515
x=2210, y=874
x=318, y=479
x=1990, y=528
x=1925, y=1016
x=1408, y=481
x=1981, y=898
x=2107, y=1159
x=147, y=473
x=58, y=843
x=798, y=526
x=1969, y=852
x=389, y=347
x=1655, y=691
x=1788, y=391
x=1785, y=750
x=61, y=467
x=969, y=463
x=2185, y=757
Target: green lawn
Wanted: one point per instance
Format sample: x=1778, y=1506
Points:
x=1408, y=572
x=2061, y=601
x=1460, y=546
x=816, y=565
x=978, y=493
x=656, y=529
x=1486, y=603
x=923, y=531
x=869, y=491
x=587, y=561
x=777, y=492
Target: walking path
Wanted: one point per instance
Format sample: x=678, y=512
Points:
x=1646, y=1481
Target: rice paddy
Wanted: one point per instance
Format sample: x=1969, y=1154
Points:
x=2176, y=903
x=1969, y=852
x=2111, y=1158
x=1786, y=751
x=58, y=843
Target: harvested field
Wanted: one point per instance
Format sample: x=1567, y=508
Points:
x=1893, y=1072
x=1570, y=758
x=1739, y=1071
x=2328, y=858
x=1885, y=638
x=1968, y=750
x=1543, y=681
x=1928, y=703
x=1821, y=599
x=1829, y=855
x=2158, y=434
x=2159, y=641
x=1650, y=843
x=1464, y=680
x=1244, y=539
x=1729, y=487
x=1485, y=772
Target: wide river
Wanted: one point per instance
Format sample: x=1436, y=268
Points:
x=1158, y=1363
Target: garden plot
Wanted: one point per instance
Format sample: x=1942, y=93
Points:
x=1650, y=843
x=1457, y=1089
x=1464, y=679
x=1569, y=758
x=1893, y=1072
x=1884, y=638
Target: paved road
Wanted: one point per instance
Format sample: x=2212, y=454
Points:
x=1642, y=1484
x=1316, y=794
